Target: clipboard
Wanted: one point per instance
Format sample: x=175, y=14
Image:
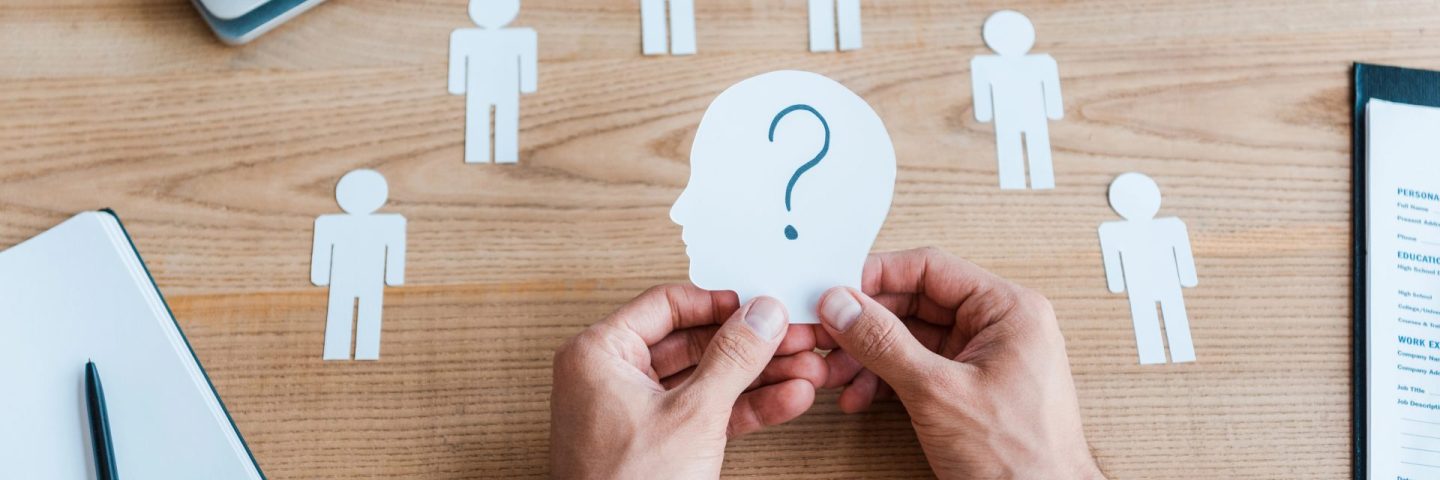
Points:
x=1395, y=84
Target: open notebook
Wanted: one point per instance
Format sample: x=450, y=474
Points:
x=78, y=292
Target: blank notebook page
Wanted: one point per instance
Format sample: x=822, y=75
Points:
x=79, y=292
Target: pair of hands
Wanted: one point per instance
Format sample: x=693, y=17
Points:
x=658, y=388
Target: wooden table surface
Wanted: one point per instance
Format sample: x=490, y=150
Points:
x=219, y=159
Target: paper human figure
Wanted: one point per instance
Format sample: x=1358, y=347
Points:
x=828, y=16
x=791, y=177
x=1020, y=93
x=1151, y=259
x=492, y=65
x=681, y=38
x=357, y=253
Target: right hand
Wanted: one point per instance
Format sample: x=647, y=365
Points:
x=979, y=363
x=658, y=388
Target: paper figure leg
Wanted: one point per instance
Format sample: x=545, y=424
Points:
x=1037, y=150
x=682, y=27
x=652, y=26
x=1147, y=331
x=848, y=13
x=822, y=25
x=1010, y=153
x=337, y=324
x=367, y=327
x=507, y=130
x=1177, y=329
x=477, y=129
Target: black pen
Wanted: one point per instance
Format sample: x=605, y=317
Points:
x=99, y=425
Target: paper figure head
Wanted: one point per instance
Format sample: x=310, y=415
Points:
x=791, y=177
x=1009, y=32
x=493, y=14
x=362, y=192
x=1135, y=196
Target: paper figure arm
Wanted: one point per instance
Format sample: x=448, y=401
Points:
x=322, y=254
x=1054, y=106
x=980, y=90
x=1184, y=257
x=395, y=254
x=459, y=63
x=529, y=62
x=1114, y=266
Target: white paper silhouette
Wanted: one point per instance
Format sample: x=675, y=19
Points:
x=1151, y=259
x=492, y=66
x=357, y=253
x=1019, y=92
x=791, y=177
x=826, y=16
x=681, y=31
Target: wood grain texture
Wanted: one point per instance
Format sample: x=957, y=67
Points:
x=220, y=158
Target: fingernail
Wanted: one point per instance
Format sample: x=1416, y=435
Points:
x=839, y=309
x=766, y=318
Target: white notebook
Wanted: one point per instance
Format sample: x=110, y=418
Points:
x=80, y=292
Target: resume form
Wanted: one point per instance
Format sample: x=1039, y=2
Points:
x=1403, y=278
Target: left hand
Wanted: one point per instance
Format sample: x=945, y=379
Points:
x=658, y=388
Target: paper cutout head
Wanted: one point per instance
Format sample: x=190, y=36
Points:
x=362, y=192
x=791, y=177
x=494, y=14
x=1009, y=32
x=1135, y=196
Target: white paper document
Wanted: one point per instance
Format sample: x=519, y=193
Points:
x=1403, y=271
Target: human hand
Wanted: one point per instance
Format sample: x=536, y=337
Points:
x=979, y=363
x=656, y=389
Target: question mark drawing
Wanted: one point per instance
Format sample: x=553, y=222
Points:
x=790, y=232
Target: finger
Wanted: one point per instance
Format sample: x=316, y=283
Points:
x=931, y=336
x=678, y=379
x=886, y=392
x=952, y=283
x=945, y=278
x=918, y=306
x=740, y=350
x=842, y=367
x=771, y=405
x=798, y=338
x=860, y=394
x=864, y=393
x=823, y=340
x=875, y=337
x=680, y=350
x=808, y=366
x=667, y=308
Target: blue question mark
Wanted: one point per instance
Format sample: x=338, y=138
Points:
x=790, y=231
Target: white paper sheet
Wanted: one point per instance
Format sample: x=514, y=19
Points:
x=791, y=177
x=1150, y=260
x=1020, y=93
x=78, y=292
x=1404, y=281
x=679, y=35
x=492, y=65
x=830, y=19
x=356, y=254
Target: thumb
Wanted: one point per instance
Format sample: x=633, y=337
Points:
x=875, y=337
x=741, y=349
